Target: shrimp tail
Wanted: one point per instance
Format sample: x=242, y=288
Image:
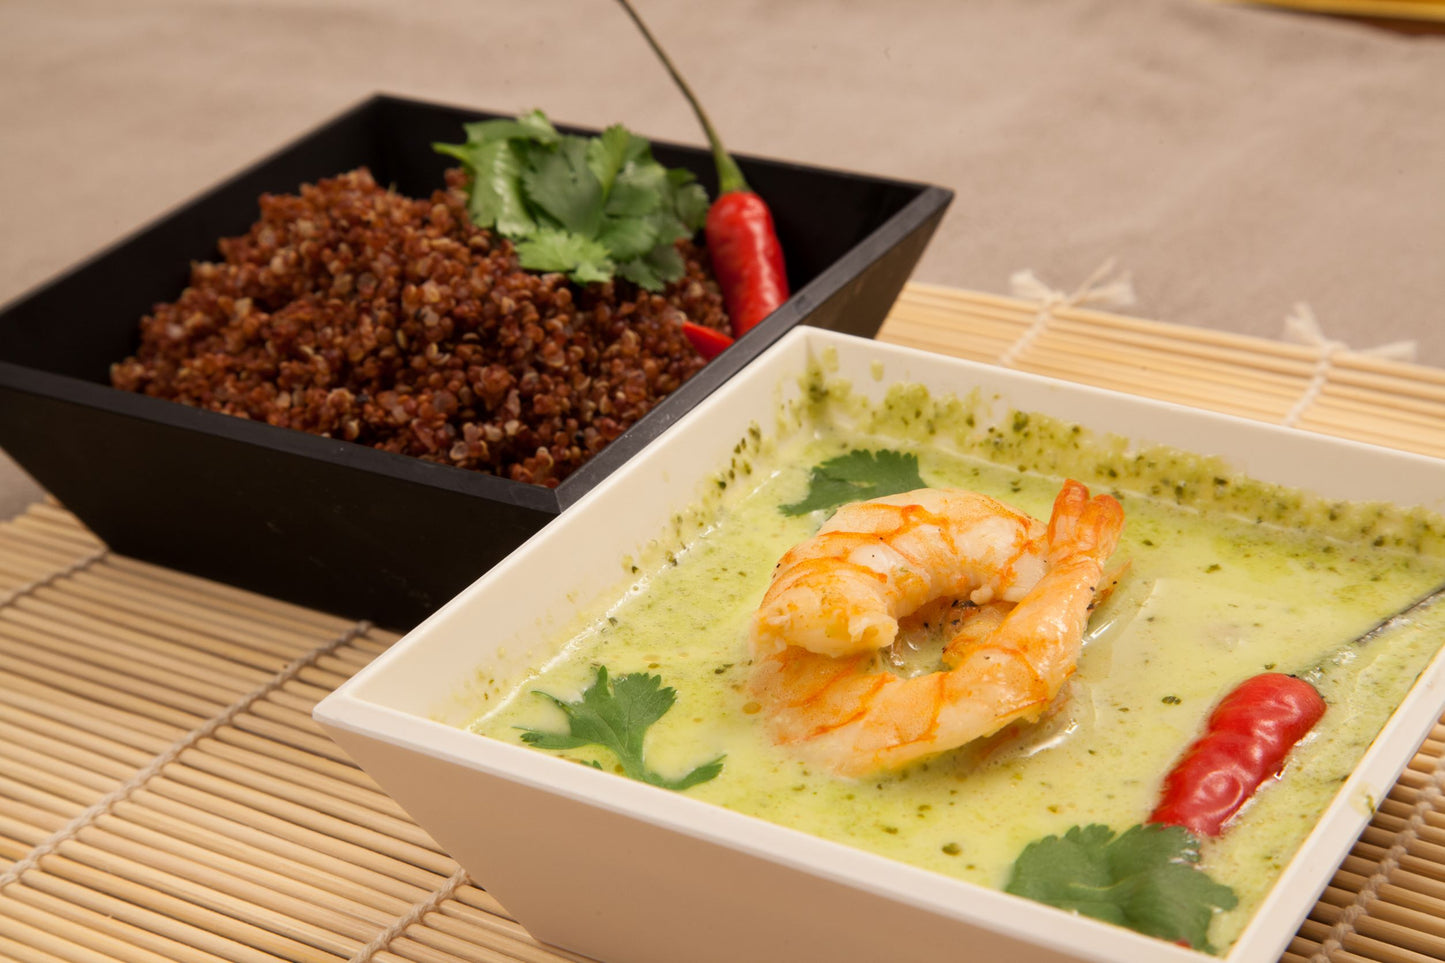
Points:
x=1080, y=525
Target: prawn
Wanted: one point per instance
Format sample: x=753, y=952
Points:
x=843, y=591
x=836, y=707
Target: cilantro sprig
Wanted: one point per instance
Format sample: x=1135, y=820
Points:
x=855, y=476
x=616, y=715
x=1145, y=879
x=589, y=207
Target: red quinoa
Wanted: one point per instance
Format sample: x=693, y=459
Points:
x=352, y=312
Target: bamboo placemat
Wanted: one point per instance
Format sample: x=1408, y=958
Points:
x=1321, y=386
x=165, y=796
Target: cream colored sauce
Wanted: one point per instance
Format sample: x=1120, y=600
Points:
x=1210, y=599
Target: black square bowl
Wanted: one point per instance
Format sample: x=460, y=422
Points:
x=338, y=526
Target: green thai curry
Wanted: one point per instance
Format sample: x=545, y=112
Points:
x=1228, y=578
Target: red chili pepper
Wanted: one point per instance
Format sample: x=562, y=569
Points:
x=1245, y=742
x=747, y=257
x=709, y=342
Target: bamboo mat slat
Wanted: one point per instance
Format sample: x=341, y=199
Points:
x=165, y=795
x=1331, y=390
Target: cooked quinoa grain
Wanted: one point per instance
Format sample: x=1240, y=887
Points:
x=352, y=312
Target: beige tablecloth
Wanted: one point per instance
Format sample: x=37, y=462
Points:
x=1235, y=160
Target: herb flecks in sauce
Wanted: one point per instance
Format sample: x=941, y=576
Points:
x=1298, y=578
x=1055, y=448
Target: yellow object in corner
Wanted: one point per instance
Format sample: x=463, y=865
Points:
x=1425, y=10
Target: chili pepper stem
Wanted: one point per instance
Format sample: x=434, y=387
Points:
x=729, y=175
x=747, y=257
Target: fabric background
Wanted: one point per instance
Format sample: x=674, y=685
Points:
x=1234, y=159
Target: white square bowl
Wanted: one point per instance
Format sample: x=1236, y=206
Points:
x=628, y=873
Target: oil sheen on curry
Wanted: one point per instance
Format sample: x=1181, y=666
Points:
x=1021, y=642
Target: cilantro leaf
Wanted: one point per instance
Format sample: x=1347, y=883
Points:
x=606, y=154
x=1145, y=879
x=690, y=201
x=620, y=211
x=562, y=185
x=616, y=715
x=494, y=158
x=668, y=227
x=627, y=238
x=637, y=191
x=550, y=249
x=498, y=194
x=532, y=126
x=856, y=476
x=654, y=267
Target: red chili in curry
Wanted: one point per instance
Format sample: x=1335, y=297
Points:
x=1245, y=742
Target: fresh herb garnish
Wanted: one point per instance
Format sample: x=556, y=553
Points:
x=1145, y=879
x=590, y=207
x=856, y=476
x=616, y=715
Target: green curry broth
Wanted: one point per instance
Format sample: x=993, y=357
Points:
x=1216, y=591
